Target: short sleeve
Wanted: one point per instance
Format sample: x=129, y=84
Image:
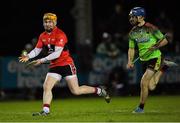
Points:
x=158, y=34
x=131, y=43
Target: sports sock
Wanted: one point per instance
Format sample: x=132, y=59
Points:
x=97, y=90
x=141, y=106
x=46, y=108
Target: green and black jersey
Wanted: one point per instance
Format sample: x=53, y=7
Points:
x=145, y=37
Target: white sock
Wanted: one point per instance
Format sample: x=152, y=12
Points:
x=99, y=91
x=46, y=109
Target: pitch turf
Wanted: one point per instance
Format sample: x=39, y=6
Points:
x=158, y=108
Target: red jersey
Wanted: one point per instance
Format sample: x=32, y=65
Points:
x=56, y=38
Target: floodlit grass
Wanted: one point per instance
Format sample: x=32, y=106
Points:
x=158, y=108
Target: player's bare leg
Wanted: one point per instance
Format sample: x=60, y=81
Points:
x=47, y=95
x=74, y=87
x=154, y=80
x=144, y=85
x=144, y=90
x=47, y=86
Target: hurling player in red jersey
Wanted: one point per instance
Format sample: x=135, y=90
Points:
x=61, y=63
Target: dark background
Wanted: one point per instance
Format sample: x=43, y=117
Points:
x=21, y=20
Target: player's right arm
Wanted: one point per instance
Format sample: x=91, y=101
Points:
x=131, y=53
x=35, y=52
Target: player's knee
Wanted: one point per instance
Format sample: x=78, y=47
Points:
x=144, y=84
x=152, y=87
x=46, y=87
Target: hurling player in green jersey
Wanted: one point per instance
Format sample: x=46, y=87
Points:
x=148, y=39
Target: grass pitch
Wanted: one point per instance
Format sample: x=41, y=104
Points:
x=157, y=109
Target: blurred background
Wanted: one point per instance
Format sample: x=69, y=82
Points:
x=97, y=33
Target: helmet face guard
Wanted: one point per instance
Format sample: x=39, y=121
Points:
x=49, y=21
x=135, y=13
x=133, y=20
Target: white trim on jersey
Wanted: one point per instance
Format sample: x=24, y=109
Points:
x=73, y=69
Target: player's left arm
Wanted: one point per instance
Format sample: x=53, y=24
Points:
x=131, y=54
x=25, y=57
x=53, y=55
x=161, y=39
